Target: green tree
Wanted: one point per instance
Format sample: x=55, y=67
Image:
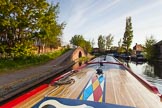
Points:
x=25, y=21
x=109, y=40
x=87, y=46
x=49, y=30
x=101, y=43
x=128, y=35
x=79, y=40
x=149, y=48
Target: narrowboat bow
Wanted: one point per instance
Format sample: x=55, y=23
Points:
x=101, y=83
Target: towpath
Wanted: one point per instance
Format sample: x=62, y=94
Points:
x=25, y=76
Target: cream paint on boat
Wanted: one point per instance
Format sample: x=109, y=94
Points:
x=59, y=105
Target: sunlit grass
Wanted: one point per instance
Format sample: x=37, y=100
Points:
x=11, y=65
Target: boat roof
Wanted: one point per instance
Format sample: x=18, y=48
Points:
x=115, y=88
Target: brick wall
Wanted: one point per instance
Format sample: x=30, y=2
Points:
x=75, y=54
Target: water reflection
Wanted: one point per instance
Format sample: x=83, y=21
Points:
x=158, y=69
x=149, y=71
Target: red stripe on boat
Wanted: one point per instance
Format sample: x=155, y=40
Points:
x=20, y=99
x=117, y=63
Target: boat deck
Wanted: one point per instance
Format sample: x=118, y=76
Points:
x=116, y=86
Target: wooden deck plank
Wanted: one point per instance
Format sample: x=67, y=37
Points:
x=138, y=101
x=74, y=90
x=122, y=96
x=150, y=99
x=110, y=91
x=129, y=91
x=81, y=78
x=121, y=88
x=28, y=103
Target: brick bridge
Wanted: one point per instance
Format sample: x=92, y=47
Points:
x=78, y=53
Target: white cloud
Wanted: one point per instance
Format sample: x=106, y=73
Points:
x=83, y=14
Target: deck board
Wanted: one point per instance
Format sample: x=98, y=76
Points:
x=28, y=103
x=121, y=88
x=65, y=91
x=74, y=90
x=129, y=91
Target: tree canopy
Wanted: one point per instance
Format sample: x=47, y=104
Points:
x=149, y=48
x=109, y=40
x=78, y=40
x=25, y=23
x=128, y=34
x=120, y=47
x=101, y=43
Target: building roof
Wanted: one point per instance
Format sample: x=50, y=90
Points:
x=159, y=43
x=138, y=47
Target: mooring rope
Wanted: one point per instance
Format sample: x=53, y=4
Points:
x=63, y=81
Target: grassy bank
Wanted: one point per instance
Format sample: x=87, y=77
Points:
x=10, y=65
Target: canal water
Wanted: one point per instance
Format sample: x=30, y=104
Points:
x=151, y=72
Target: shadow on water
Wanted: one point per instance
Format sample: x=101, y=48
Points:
x=158, y=69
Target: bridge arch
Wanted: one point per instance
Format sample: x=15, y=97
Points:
x=78, y=53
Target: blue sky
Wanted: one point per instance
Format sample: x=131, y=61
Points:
x=91, y=18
